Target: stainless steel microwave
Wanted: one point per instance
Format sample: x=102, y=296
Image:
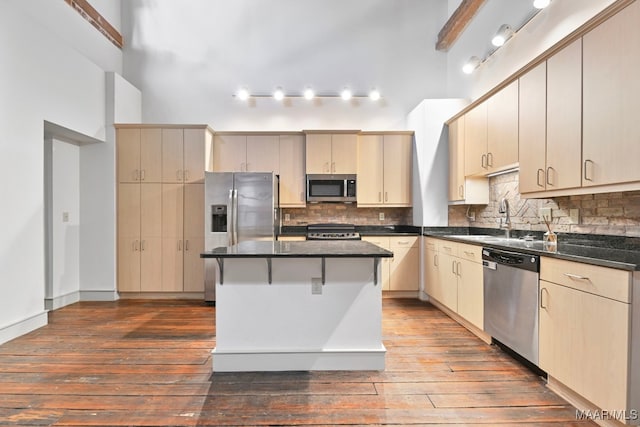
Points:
x=331, y=188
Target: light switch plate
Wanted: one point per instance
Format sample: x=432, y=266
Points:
x=545, y=212
x=316, y=286
x=574, y=216
x=65, y=216
x=287, y=217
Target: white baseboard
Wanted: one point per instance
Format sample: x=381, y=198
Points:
x=23, y=327
x=322, y=360
x=111, y=295
x=61, y=300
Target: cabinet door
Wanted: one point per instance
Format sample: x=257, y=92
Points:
x=129, y=237
x=172, y=155
x=151, y=237
x=318, y=153
x=448, y=283
x=556, y=333
x=397, y=169
x=456, y=160
x=229, y=153
x=150, y=155
x=404, y=270
x=292, y=172
x=194, y=154
x=431, y=273
x=564, y=118
x=385, y=263
x=532, y=131
x=475, y=140
x=471, y=292
x=370, y=166
x=193, y=265
x=344, y=153
x=502, y=128
x=172, y=237
x=263, y=153
x=611, y=100
x=128, y=141
x=193, y=237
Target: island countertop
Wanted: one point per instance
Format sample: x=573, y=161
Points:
x=302, y=249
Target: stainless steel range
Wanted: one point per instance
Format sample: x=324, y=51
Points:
x=332, y=232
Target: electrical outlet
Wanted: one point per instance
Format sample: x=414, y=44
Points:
x=316, y=286
x=65, y=216
x=287, y=217
x=574, y=216
x=545, y=213
x=381, y=216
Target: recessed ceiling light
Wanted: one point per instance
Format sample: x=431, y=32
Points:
x=541, y=4
x=374, y=95
x=242, y=94
x=346, y=94
x=278, y=94
x=503, y=34
x=309, y=93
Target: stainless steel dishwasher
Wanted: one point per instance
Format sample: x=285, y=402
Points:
x=511, y=300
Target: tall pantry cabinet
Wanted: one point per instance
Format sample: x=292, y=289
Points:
x=160, y=209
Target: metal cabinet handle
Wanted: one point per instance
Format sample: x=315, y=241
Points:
x=326, y=166
x=302, y=196
x=453, y=267
x=134, y=245
x=179, y=245
x=483, y=161
x=186, y=174
x=435, y=260
x=333, y=167
x=379, y=196
x=446, y=248
x=136, y=175
x=142, y=174
x=186, y=245
x=575, y=276
x=549, y=170
x=469, y=253
x=490, y=160
x=461, y=191
x=386, y=196
x=542, y=292
x=458, y=273
x=538, y=178
x=586, y=162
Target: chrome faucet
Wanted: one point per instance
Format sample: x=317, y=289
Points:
x=503, y=208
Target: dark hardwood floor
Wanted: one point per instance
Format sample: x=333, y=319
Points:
x=148, y=363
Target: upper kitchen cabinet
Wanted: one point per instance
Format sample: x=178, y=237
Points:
x=551, y=122
x=331, y=153
x=463, y=190
x=183, y=154
x=292, y=173
x=491, y=133
x=139, y=154
x=611, y=100
x=502, y=129
x=246, y=153
x=384, y=169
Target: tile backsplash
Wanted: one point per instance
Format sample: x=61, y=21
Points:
x=316, y=213
x=607, y=213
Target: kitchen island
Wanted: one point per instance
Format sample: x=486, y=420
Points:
x=291, y=306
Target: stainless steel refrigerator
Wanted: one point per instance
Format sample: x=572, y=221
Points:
x=239, y=206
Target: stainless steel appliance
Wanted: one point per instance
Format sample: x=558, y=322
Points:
x=238, y=206
x=332, y=232
x=511, y=300
x=331, y=188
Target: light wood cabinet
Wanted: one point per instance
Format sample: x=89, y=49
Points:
x=453, y=278
x=611, y=100
x=475, y=140
x=551, y=123
x=292, y=172
x=329, y=153
x=383, y=242
x=246, y=153
x=160, y=224
x=139, y=154
x=405, y=264
x=384, y=170
x=502, y=129
x=463, y=190
x=292, y=238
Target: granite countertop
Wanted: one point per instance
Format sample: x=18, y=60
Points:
x=364, y=230
x=303, y=249
x=607, y=251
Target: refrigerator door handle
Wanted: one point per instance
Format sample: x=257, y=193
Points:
x=235, y=217
x=230, y=216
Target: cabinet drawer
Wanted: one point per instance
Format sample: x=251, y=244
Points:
x=381, y=241
x=403, y=241
x=431, y=244
x=291, y=238
x=448, y=247
x=470, y=252
x=603, y=281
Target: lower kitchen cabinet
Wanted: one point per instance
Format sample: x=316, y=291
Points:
x=401, y=272
x=585, y=336
x=453, y=278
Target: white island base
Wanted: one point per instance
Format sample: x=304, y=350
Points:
x=288, y=326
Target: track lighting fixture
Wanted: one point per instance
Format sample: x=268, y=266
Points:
x=308, y=93
x=541, y=4
x=470, y=66
x=503, y=34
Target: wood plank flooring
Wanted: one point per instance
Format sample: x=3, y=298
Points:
x=148, y=363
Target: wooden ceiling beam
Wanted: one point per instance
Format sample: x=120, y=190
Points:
x=457, y=23
x=89, y=13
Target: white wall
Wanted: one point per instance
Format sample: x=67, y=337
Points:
x=189, y=59
x=43, y=76
x=431, y=160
